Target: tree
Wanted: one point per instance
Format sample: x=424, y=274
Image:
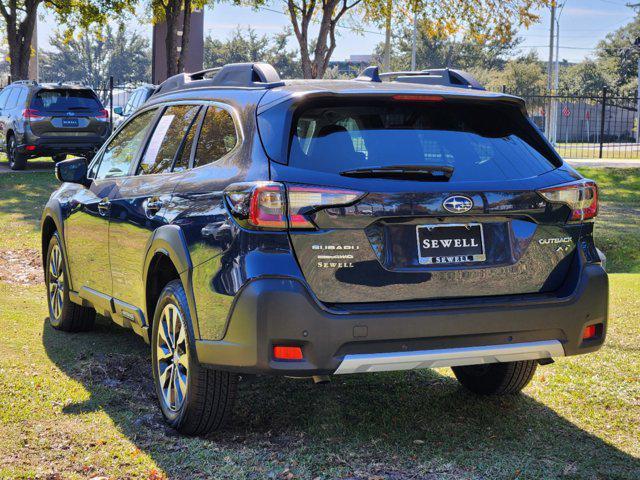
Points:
x=169, y=11
x=441, y=50
x=20, y=18
x=490, y=18
x=584, y=78
x=92, y=56
x=248, y=46
x=523, y=75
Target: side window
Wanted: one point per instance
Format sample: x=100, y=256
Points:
x=217, y=136
x=131, y=103
x=22, y=99
x=184, y=154
x=12, y=101
x=4, y=95
x=167, y=138
x=121, y=151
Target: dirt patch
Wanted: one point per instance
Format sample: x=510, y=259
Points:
x=21, y=267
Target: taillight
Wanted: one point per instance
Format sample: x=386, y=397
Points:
x=580, y=196
x=31, y=114
x=419, y=98
x=103, y=115
x=272, y=206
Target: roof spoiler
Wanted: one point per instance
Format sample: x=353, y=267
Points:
x=248, y=75
x=436, y=76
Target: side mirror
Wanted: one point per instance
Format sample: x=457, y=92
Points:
x=118, y=110
x=73, y=170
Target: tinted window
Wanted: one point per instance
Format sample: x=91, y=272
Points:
x=167, y=138
x=184, y=154
x=481, y=142
x=217, y=136
x=4, y=95
x=12, y=101
x=23, y=97
x=60, y=100
x=121, y=151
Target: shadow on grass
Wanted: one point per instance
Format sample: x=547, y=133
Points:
x=398, y=425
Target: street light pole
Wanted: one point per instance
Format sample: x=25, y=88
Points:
x=414, y=39
x=387, y=38
x=550, y=67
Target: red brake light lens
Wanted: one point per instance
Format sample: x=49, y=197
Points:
x=281, y=352
x=32, y=114
x=580, y=196
x=419, y=98
x=103, y=115
x=269, y=206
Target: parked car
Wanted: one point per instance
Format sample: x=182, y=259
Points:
x=136, y=99
x=50, y=120
x=242, y=224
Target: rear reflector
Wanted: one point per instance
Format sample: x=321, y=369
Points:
x=580, y=196
x=281, y=352
x=589, y=332
x=30, y=148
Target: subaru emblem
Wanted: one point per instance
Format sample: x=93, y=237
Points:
x=457, y=204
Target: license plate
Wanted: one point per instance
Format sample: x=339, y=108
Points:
x=70, y=122
x=451, y=243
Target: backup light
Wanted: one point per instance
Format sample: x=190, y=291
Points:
x=580, y=196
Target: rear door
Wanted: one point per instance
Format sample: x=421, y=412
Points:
x=140, y=205
x=448, y=207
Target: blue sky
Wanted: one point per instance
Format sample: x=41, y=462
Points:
x=582, y=24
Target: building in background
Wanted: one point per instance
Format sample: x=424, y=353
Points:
x=195, y=55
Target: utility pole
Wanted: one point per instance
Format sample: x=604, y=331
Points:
x=636, y=44
x=414, y=39
x=550, y=67
x=387, y=39
x=556, y=84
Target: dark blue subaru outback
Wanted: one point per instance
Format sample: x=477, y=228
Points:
x=247, y=225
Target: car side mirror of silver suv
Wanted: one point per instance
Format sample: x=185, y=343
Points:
x=73, y=170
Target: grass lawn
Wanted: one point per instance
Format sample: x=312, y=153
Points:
x=81, y=406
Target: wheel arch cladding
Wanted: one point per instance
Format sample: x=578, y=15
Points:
x=168, y=259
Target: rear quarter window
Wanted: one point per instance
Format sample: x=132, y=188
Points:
x=480, y=141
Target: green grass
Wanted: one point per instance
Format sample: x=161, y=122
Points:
x=82, y=405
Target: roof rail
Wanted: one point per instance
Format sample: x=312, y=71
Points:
x=247, y=75
x=436, y=76
x=24, y=82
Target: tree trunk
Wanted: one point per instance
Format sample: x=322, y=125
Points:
x=171, y=15
x=186, y=32
x=19, y=36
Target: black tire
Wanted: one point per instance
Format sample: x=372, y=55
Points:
x=59, y=157
x=496, y=378
x=17, y=161
x=63, y=313
x=210, y=394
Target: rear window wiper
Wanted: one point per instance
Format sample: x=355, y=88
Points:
x=431, y=173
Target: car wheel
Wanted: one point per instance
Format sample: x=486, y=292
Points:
x=496, y=378
x=63, y=313
x=194, y=400
x=17, y=161
x=58, y=158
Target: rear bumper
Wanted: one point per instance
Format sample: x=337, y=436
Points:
x=50, y=146
x=281, y=311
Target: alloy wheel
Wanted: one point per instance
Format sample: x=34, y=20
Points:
x=56, y=282
x=172, y=357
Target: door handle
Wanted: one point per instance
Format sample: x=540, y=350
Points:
x=103, y=206
x=153, y=206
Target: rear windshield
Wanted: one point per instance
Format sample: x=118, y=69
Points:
x=60, y=100
x=480, y=141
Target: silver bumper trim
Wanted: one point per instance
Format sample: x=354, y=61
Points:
x=449, y=357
